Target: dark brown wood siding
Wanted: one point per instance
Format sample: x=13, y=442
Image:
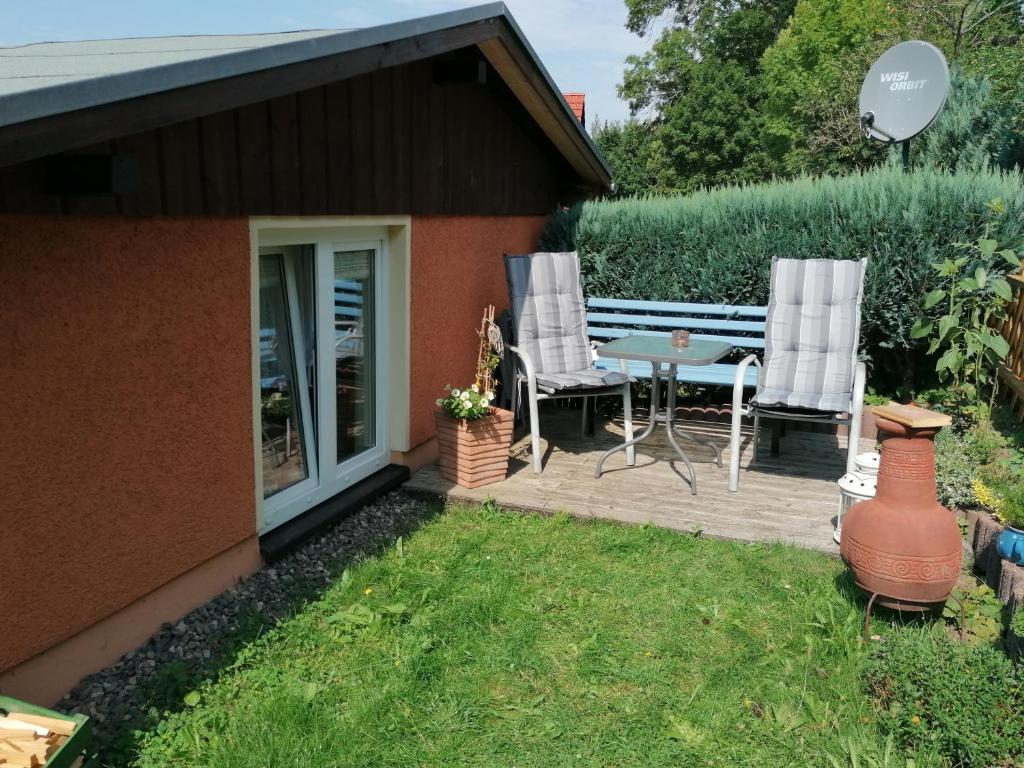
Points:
x=397, y=141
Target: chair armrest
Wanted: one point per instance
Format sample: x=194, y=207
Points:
x=527, y=363
x=741, y=374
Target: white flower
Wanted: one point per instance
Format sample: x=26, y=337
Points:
x=439, y=401
x=465, y=395
x=488, y=396
x=455, y=393
x=475, y=388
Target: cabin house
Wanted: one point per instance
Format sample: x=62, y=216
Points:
x=235, y=273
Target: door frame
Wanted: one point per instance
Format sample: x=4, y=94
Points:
x=391, y=235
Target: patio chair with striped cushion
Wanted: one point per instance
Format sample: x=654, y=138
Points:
x=549, y=329
x=810, y=370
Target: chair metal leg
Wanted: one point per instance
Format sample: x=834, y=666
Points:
x=538, y=467
x=585, y=411
x=734, y=443
x=757, y=434
x=627, y=423
x=628, y=445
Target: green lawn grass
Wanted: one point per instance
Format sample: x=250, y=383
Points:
x=495, y=639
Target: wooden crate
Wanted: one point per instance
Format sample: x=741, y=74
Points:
x=77, y=751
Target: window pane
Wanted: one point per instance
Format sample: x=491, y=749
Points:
x=354, y=336
x=284, y=460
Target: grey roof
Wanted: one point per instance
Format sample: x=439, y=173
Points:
x=38, y=66
x=46, y=79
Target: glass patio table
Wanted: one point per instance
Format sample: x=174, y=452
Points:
x=659, y=352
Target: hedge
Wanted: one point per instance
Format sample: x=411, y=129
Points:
x=716, y=246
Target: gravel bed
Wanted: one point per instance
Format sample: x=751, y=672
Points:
x=119, y=698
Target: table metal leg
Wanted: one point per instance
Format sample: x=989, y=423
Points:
x=693, y=473
x=646, y=433
x=672, y=415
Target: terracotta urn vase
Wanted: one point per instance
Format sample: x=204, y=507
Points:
x=903, y=546
x=474, y=453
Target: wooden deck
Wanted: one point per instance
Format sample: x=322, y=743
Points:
x=792, y=497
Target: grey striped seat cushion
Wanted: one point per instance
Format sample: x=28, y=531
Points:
x=548, y=314
x=812, y=334
x=589, y=378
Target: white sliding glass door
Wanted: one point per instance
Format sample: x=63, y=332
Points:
x=322, y=407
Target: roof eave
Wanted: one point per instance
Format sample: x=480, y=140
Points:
x=69, y=115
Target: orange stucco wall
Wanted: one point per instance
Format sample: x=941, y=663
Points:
x=457, y=270
x=127, y=413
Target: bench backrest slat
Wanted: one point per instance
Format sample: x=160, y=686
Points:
x=667, y=321
x=742, y=326
x=745, y=342
x=679, y=308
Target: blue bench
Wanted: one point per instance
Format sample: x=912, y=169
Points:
x=741, y=326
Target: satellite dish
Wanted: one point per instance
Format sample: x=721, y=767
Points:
x=904, y=91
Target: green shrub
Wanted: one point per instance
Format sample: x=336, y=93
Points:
x=956, y=467
x=717, y=246
x=1017, y=622
x=1011, y=508
x=966, y=700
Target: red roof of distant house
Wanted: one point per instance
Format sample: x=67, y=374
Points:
x=577, y=101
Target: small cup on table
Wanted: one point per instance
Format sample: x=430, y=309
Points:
x=680, y=338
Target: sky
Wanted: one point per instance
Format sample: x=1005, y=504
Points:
x=583, y=43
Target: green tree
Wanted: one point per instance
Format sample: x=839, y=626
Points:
x=973, y=133
x=812, y=73
x=637, y=156
x=699, y=83
x=812, y=77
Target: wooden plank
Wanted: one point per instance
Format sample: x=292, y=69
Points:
x=454, y=149
x=21, y=190
x=143, y=151
x=665, y=321
x=254, y=159
x=93, y=205
x=341, y=182
x=361, y=144
x=912, y=416
x=313, y=150
x=603, y=332
x=55, y=724
x=1012, y=328
x=678, y=307
x=382, y=152
x=181, y=169
x=402, y=130
x=427, y=141
x=791, y=498
x=446, y=150
x=513, y=65
x=286, y=190
x=218, y=134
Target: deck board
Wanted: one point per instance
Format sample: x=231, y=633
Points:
x=791, y=498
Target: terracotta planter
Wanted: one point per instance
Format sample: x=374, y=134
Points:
x=903, y=546
x=474, y=453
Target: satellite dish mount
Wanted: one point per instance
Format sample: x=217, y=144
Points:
x=903, y=93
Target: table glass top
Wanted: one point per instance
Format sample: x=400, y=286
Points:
x=659, y=349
